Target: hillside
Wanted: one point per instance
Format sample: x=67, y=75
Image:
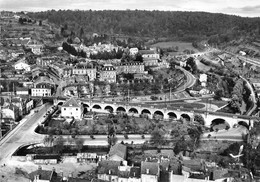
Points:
x=155, y=24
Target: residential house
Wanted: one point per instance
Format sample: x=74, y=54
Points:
x=150, y=171
x=131, y=67
x=22, y=65
x=35, y=48
x=133, y=51
x=10, y=112
x=42, y=90
x=72, y=108
x=85, y=69
x=114, y=171
x=150, y=57
x=22, y=91
x=108, y=73
x=135, y=174
x=108, y=170
x=118, y=152
x=41, y=175
x=45, y=61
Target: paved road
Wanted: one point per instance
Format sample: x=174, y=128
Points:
x=22, y=134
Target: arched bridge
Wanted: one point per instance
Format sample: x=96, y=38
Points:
x=136, y=109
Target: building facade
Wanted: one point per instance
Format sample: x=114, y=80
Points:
x=72, y=109
x=42, y=90
x=108, y=73
x=132, y=67
x=84, y=69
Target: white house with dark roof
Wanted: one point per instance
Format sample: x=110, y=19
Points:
x=72, y=108
x=150, y=171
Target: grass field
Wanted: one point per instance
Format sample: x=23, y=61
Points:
x=182, y=45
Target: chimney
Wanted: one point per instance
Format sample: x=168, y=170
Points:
x=53, y=169
x=39, y=167
x=109, y=171
x=134, y=174
x=147, y=171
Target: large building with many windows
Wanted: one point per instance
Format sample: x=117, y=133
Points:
x=131, y=67
x=108, y=73
x=85, y=70
x=42, y=90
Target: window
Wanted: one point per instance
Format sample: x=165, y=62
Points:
x=76, y=109
x=64, y=109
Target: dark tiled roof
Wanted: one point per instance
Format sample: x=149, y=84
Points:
x=44, y=175
x=119, y=150
x=108, y=67
x=106, y=167
x=43, y=85
x=135, y=172
x=21, y=89
x=71, y=103
x=147, y=52
x=194, y=164
x=150, y=168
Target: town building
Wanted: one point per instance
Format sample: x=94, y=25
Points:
x=42, y=90
x=150, y=171
x=72, y=109
x=108, y=73
x=22, y=91
x=150, y=57
x=132, y=67
x=118, y=152
x=85, y=70
x=45, y=61
x=41, y=175
x=35, y=48
x=133, y=51
x=10, y=112
x=22, y=65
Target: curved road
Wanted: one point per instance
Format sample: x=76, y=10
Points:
x=23, y=133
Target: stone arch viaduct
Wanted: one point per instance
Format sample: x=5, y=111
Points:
x=135, y=109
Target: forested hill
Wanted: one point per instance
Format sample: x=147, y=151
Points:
x=185, y=25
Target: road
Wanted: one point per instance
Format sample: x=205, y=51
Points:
x=22, y=134
x=191, y=80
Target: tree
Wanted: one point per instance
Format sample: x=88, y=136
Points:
x=79, y=143
x=157, y=137
x=199, y=119
x=59, y=145
x=81, y=32
x=40, y=23
x=48, y=140
x=111, y=140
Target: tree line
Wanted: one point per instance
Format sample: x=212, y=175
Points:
x=173, y=24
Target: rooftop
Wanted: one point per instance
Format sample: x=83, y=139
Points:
x=150, y=168
x=71, y=103
x=119, y=150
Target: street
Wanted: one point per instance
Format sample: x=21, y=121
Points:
x=22, y=134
